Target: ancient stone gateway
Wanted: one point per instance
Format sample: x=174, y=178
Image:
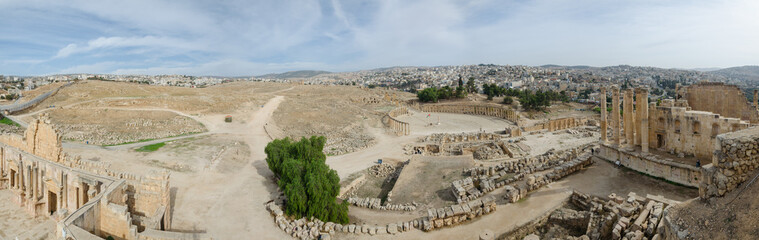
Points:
x=88, y=200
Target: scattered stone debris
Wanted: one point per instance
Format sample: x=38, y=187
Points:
x=382, y=170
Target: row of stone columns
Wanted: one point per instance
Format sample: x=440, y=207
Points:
x=476, y=110
x=635, y=122
x=399, y=127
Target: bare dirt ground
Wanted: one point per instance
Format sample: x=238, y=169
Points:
x=115, y=126
x=603, y=178
x=427, y=180
x=541, y=143
x=105, y=113
x=427, y=123
x=734, y=216
x=333, y=112
x=220, y=181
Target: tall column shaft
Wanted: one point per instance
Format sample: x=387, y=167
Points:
x=643, y=113
x=629, y=119
x=603, y=115
x=615, y=123
x=756, y=98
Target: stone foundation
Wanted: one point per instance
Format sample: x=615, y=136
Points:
x=652, y=165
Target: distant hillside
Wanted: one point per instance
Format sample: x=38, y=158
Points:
x=745, y=74
x=294, y=74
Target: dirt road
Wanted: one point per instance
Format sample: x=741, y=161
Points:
x=231, y=206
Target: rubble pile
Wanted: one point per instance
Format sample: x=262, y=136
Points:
x=630, y=218
x=134, y=130
x=350, y=139
x=488, y=151
x=382, y=170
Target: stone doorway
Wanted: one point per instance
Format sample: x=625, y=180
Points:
x=13, y=178
x=52, y=202
x=659, y=141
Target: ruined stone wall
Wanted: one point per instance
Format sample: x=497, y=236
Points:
x=736, y=155
x=149, y=200
x=652, y=165
x=473, y=109
x=678, y=130
x=725, y=100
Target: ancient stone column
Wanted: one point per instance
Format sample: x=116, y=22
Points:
x=615, y=124
x=65, y=196
x=80, y=193
x=642, y=135
x=756, y=98
x=629, y=119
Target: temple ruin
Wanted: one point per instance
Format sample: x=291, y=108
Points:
x=670, y=140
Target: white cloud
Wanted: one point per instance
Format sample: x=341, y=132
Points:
x=243, y=36
x=121, y=42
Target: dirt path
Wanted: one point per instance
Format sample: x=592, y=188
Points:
x=386, y=147
x=231, y=206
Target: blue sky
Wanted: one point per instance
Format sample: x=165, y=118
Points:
x=242, y=38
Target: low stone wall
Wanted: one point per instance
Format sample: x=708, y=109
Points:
x=455, y=214
x=474, y=109
x=352, y=186
x=652, y=165
x=490, y=178
x=520, y=190
x=736, y=155
x=376, y=203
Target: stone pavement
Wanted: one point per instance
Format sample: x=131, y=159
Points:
x=15, y=223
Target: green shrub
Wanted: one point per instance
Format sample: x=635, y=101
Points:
x=310, y=186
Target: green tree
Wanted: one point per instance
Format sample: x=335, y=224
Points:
x=310, y=186
x=508, y=100
x=428, y=95
x=471, y=88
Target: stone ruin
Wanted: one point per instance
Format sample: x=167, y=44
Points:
x=482, y=146
x=736, y=155
x=382, y=170
x=456, y=214
x=728, y=146
x=304, y=228
x=631, y=217
x=88, y=200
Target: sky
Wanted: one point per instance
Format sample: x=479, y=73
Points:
x=246, y=38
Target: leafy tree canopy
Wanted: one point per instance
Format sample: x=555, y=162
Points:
x=310, y=186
